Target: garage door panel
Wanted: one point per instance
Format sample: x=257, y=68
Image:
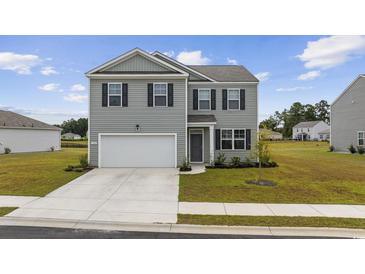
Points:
x=137, y=151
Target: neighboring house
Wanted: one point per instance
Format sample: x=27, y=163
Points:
x=309, y=130
x=23, y=134
x=271, y=135
x=71, y=136
x=148, y=110
x=348, y=116
x=324, y=135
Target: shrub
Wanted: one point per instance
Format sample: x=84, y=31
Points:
x=68, y=169
x=235, y=161
x=360, y=150
x=83, y=161
x=352, y=149
x=221, y=158
x=332, y=148
x=264, y=153
x=185, y=165
x=51, y=148
x=7, y=150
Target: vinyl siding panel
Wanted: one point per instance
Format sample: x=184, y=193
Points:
x=125, y=119
x=348, y=116
x=231, y=118
x=137, y=63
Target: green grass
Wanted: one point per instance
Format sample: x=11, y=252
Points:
x=307, y=173
x=74, y=143
x=38, y=173
x=271, y=221
x=6, y=210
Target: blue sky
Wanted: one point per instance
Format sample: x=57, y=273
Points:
x=43, y=76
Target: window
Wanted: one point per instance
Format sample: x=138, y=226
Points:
x=360, y=138
x=297, y=129
x=308, y=129
x=160, y=95
x=115, y=94
x=204, y=99
x=233, y=99
x=233, y=139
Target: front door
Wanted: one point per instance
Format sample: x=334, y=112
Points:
x=196, y=147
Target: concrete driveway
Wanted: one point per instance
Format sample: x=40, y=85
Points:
x=147, y=195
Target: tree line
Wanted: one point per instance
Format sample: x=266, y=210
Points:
x=79, y=126
x=284, y=121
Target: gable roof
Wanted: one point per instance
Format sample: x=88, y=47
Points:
x=70, y=134
x=326, y=131
x=10, y=119
x=361, y=76
x=307, y=124
x=226, y=73
x=130, y=54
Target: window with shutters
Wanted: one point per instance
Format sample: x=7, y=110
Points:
x=233, y=98
x=114, y=94
x=360, y=138
x=204, y=99
x=233, y=139
x=160, y=94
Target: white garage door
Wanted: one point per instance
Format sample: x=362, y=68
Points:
x=137, y=151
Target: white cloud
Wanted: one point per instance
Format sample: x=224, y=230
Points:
x=192, y=58
x=232, y=61
x=48, y=71
x=78, y=98
x=310, y=75
x=51, y=87
x=332, y=51
x=20, y=63
x=263, y=76
x=293, y=88
x=78, y=87
x=169, y=53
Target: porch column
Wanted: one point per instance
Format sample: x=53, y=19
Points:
x=211, y=143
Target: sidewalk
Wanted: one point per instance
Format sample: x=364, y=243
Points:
x=15, y=201
x=252, y=209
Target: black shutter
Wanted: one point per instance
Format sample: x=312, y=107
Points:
x=242, y=99
x=217, y=139
x=224, y=99
x=170, y=95
x=125, y=95
x=104, y=96
x=248, y=139
x=213, y=99
x=195, y=99
x=150, y=95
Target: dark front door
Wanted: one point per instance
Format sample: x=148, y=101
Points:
x=196, y=147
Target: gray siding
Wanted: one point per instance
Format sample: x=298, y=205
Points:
x=228, y=118
x=150, y=119
x=137, y=63
x=348, y=116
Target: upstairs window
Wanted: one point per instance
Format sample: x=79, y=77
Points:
x=204, y=99
x=115, y=94
x=360, y=138
x=160, y=94
x=233, y=99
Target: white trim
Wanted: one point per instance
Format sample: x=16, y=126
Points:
x=88, y=124
x=121, y=93
x=130, y=54
x=201, y=124
x=202, y=133
x=346, y=89
x=211, y=143
x=233, y=147
x=134, y=134
x=153, y=93
x=184, y=66
x=137, y=76
x=30, y=128
x=210, y=99
x=363, y=138
x=219, y=83
x=239, y=99
x=186, y=119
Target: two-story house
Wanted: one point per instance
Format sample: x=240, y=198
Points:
x=149, y=110
x=309, y=130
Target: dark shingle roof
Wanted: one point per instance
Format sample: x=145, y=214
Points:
x=307, y=124
x=10, y=119
x=201, y=118
x=226, y=73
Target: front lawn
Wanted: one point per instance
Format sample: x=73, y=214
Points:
x=38, y=173
x=271, y=221
x=307, y=173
